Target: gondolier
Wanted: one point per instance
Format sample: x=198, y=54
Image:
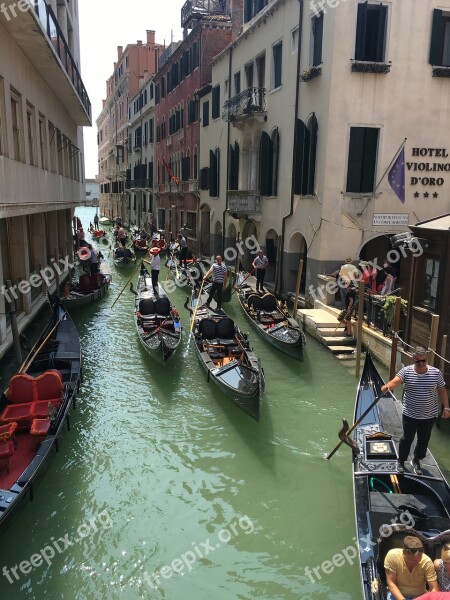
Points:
x=182, y=242
x=420, y=408
x=96, y=221
x=219, y=271
x=260, y=264
x=155, y=267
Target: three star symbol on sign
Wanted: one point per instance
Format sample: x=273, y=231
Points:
x=425, y=195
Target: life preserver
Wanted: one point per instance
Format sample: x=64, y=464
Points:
x=84, y=254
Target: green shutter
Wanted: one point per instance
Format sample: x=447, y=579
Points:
x=361, y=31
x=369, y=159
x=275, y=161
x=381, y=33
x=355, y=159
x=436, y=37
x=265, y=175
x=298, y=158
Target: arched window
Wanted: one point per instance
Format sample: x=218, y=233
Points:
x=233, y=174
x=269, y=150
x=305, y=156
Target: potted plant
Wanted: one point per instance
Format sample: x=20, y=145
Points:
x=389, y=308
x=311, y=73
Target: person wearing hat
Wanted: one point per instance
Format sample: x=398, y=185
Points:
x=420, y=407
x=347, y=274
x=155, y=267
x=442, y=567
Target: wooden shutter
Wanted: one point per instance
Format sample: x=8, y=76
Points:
x=355, y=159
x=381, y=33
x=215, y=102
x=436, y=38
x=318, y=38
x=185, y=168
x=313, y=127
x=205, y=114
x=150, y=174
x=361, y=31
x=275, y=160
x=369, y=159
x=298, y=158
x=231, y=163
x=265, y=164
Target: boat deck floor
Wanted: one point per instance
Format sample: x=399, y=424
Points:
x=21, y=458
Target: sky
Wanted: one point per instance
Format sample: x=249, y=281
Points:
x=106, y=24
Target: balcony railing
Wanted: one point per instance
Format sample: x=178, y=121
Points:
x=50, y=25
x=249, y=103
x=196, y=9
x=244, y=201
x=138, y=184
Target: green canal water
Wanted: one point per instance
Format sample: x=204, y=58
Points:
x=160, y=470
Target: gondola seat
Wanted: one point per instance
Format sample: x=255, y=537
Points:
x=49, y=386
x=146, y=307
x=21, y=389
x=140, y=243
x=41, y=408
x=254, y=301
x=225, y=329
x=85, y=283
x=162, y=307
x=6, y=451
x=96, y=281
x=268, y=303
x=17, y=413
x=207, y=329
x=7, y=432
x=39, y=430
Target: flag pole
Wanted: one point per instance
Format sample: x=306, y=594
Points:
x=390, y=164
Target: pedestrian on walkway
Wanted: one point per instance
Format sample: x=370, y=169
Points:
x=219, y=271
x=420, y=407
x=347, y=275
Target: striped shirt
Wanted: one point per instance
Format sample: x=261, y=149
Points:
x=260, y=262
x=419, y=401
x=219, y=272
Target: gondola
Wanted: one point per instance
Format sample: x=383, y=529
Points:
x=87, y=290
x=125, y=259
x=389, y=504
x=225, y=355
x=270, y=318
x=185, y=278
x=156, y=319
x=140, y=246
x=34, y=411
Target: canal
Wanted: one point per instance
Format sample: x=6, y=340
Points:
x=160, y=470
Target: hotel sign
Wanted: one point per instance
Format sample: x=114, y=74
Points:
x=390, y=219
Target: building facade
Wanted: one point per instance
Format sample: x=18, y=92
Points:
x=43, y=107
x=136, y=61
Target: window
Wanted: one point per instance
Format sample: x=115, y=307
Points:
x=213, y=182
x=252, y=8
x=261, y=70
x=305, y=156
x=371, y=32
x=161, y=218
x=205, y=120
x=151, y=131
x=316, y=40
x=249, y=74
x=16, y=122
x=215, y=108
x=237, y=83
x=191, y=223
x=195, y=164
x=362, y=155
x=42, y=142
x=195, y=55
x=269, y=149
x=294, y=40
x=233, y=174
x=440, y=39
x=431, y=282
x=277, y=61
x=186, y=168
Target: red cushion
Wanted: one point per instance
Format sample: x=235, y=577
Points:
x=21, y=413
x=40, y=427
x=85, y=282
x=6, y=449
x=40, y=409
x=141, y=243
x=96, y=280
x=7, y=431
x=49, y=386
x=21, y=389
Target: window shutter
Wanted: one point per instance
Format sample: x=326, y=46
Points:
x=205, y=114
x=436, y=35
x=204, y=178
x=212, y=179
x=313, y=127
x=150, y=174
x=361, y=31
x=318, y=37
x=265, y=169
x=299, y=156
x=230, y=167
x=185, y=168
x=236, y=165
x=355, y=159
x=215, y=113
x=275, y=156
x=381, y=33
x=369, y=159
x=248, y=10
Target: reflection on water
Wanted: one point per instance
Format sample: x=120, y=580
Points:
x=158, y=463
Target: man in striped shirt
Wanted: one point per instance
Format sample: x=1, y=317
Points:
x=219, y=271
x=420, y=408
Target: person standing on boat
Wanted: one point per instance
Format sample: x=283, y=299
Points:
x=96, y=221
x=81, y=237
x=219, y=271
x=420, y=408
x=155, y=268
x=182, y=242
x=121, y=235
x=184, y=232
x=95, y=259
x=260, y=263
x=409, y=570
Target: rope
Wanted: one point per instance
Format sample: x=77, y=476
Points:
x=395, y=334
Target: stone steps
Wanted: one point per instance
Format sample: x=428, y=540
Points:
x=323, y=325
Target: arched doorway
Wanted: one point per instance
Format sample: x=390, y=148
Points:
x=297, y=250
x=247, y=255
x=205, y=238
x=271, y=244
x=377, y=249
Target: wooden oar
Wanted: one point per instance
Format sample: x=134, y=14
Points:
x=128, y=281
x=196, y=306
x=27, y=362
x=346, y=432
x=236, y=287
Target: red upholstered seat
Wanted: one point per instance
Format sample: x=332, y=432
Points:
x=6, y=450
x=40, y=426
x=49, y=386
x=141, y=243
x=161, y=244
x=7, y=431
x=19, y=413
x=85, y=283
x=21, y=389
x=96, y=280
x=40, y=409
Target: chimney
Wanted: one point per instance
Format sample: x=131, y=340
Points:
x=150, y=36
x=139, y=42
x=119, y=52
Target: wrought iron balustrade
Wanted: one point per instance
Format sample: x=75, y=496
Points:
x=247, y=103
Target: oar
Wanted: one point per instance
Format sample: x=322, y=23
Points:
x=196, y=306
x=34, y=353
x=128, y=281
x=236, y=287
x=346, y=432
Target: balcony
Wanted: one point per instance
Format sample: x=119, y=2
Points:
x=244, y=202
x=138, y=184
x=122, y=169
x=193, y=185
x=248, y=104
x=193, y=10
x=38, y=35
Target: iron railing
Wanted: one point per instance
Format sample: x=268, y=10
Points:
x=250, y=102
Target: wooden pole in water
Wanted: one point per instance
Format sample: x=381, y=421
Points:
x=361, y=290
x=14, y=327
x=443, y=352
x=395, y=326
x=433, y=338
x=297, y=286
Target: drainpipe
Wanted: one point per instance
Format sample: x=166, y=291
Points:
x=230, y=56
x=297, y=95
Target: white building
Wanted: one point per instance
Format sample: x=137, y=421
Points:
x=141, y=138
x=303, y=146
x=43, y=106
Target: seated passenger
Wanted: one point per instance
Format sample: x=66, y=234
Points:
x=118, y=253
x=409, y=570
x=442, y=567
x=128, y=253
